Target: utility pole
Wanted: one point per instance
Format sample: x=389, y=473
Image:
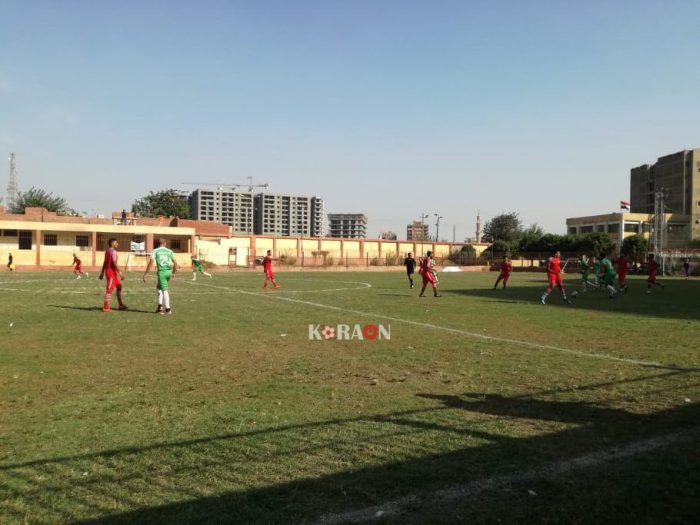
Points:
x=12, y=188
x=423, y=235
x=437, y=227
x=660, y=225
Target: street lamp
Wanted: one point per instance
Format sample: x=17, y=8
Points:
x=437, y=227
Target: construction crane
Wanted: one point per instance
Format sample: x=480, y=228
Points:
x=235, y=185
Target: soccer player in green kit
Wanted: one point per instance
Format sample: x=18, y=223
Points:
x=609, y=274
x=585, y=266
x=197, y=266
x=166, y=266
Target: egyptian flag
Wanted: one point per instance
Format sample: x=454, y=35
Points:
x=625, y=205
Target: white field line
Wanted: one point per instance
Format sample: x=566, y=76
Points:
x=529, y=344
x=547, y=471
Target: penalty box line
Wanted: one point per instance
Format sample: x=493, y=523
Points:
x=456, y=331
x=548, y=471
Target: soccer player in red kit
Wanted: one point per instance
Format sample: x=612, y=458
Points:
x=78, y=267
x=554, y=275
x=652, y=269
x=622, y=264
x=426, y=271
x=113, y=274
x=506, y=268
x=267, y=267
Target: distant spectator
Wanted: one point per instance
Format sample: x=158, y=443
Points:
x=10, y=263
x=123, y=216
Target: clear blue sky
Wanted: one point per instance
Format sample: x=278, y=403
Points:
x=391, y=108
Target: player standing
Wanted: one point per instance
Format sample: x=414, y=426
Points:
x=410, y=264
x=686, y=268
x=652, y=269
x=622, y=265
x=554, y=273
x=78, y=271
x=110, y=269
x=267, y=268
x=10, y=263
x=426, y=271
x=198, y=267
x=506, y=268
x=166, y=266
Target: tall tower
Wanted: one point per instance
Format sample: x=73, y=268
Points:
x=12, y=189
x=478, y=227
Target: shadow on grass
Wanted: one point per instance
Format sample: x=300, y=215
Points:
x=492, y=434
x=679, y=299
x=99, y=309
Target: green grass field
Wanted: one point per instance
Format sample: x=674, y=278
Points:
x=484, y=406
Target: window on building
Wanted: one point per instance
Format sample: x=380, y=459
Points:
x=573, y=230
x=175, y=244
x=632, y=228
x=613, y=228
x=50, y=239
x=586, y=229
x=25, y=240
x=82, y=241
x=13, y=233
x=600, y=228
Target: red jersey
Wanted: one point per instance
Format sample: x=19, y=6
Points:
x=652, y=267
x=426, y=265
x=267, y=264
x=77, y=261
x=553, y=265
x=506, y=267
x=110, y=264
x=622, y=265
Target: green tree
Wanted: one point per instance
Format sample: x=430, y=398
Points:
x=530, y=238
x=37, y=198
x=505, y=227
x=500, y=247
x=635, y=247
x=169, y=203
x=466, y=253
x=595, y=243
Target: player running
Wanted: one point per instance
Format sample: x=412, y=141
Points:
x=410, y=264
x=10, y=263
x=267, y=268
x=166, y=266
x=506, y=268
x=554, y=275
x=110, y=269
x=652, y=269
x=78, y=271
x=426, y=271
x=609, y=275
x=197, y=266
x=596, y=273
x=622, y=266
x=585, y=268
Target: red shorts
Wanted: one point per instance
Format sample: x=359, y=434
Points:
x=554, y=279
x=652, y=278
x=79, y=269
x=622, y=276
x=503, y=276
x=269, y=274
x=428, y=277
x=112, y=281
